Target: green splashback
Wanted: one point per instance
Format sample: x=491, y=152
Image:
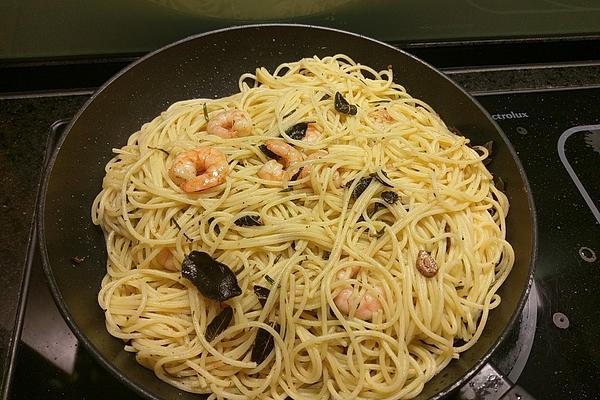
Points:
x=37, y=28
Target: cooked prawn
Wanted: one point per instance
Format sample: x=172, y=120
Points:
x=368, y=305
x=382, y=116
x=230, y=124
x=167, y=260
x=271, y=171
x=312, y=135
x=346, y=299
x=199, y=169
x=337, y=179
x=288, y=155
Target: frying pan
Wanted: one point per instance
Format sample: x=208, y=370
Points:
x=208, y=65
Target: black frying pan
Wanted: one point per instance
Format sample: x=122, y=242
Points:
x=209, y=65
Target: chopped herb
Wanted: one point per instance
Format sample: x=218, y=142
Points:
x=277, y=259
x=298, y=131
x=262, y=293
x=296, y=175
x=325, y=97
x=248, y=220
x=293, y=245
x=158, y=148
x=267, y=152
x=263, y=344
x=342, y=105
x=288, y=114
x=219, y=324
x=360, y=187
x=78, y=259
x=389, y=197
x=240, y=269
x=283, y=71
x=213, y=279
x=269, y=279
x=379, y=179
x=288, y=189
x=205, y=110
x=216, y=228
x=181, y=229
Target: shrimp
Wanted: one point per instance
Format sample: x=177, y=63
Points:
x=312, y=135
x=345, y=300
x=382, y=116
x=337, y=179
x=288, y=155
x=199, y=169
x=271, y=171
x=368, y=306
x=230, y=124
x=166, y=259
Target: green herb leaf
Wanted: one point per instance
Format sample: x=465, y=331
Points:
x=213, y=279
x=298, y=131
x=263, y=344
x=389, y=197
x=360, y=187
x=248, y=220
x=262, y=293
x=159, y=149
x=205, y=110
x=379, y=179
x=219, y=324
x=341, y=105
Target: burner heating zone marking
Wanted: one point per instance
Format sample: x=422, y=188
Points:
x=592, y=140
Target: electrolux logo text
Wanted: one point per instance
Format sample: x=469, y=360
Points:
x=511, y=115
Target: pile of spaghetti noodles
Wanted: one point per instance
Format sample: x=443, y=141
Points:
x=305, y=233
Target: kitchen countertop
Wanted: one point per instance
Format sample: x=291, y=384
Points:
x=25, y=120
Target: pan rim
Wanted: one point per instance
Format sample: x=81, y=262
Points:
x=117, y=373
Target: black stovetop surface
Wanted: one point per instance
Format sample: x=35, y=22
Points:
x=557, y=137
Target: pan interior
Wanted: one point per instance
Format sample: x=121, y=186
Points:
x=209, y=66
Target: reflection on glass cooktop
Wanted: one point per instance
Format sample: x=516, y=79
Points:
x=552, y=352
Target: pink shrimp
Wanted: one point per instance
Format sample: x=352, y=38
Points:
x=167, y=260
x=271, y=171
x=288, y=156
x=337, y=180
x=382, y=116
x=199, y=169
x=312, y=135
x=230, y=124
x=368, y=304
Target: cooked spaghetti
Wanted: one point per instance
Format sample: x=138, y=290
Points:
x=362, y=242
